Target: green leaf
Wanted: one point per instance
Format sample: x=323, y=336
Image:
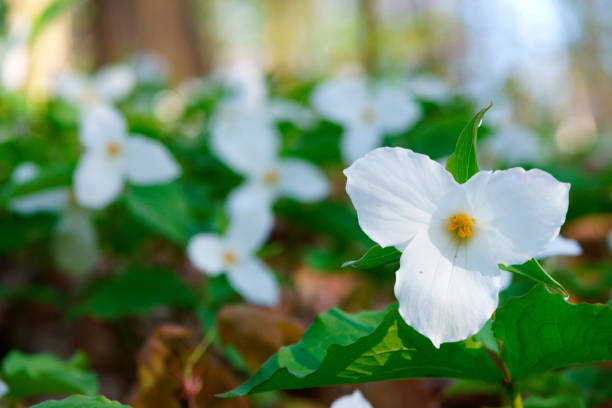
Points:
x=533, y=270
x=375, y=257
x=81, y=401
x=30, y=375
x=541, y=332
x=463, y=163
x=163, y=208
x=52, y=11
x=342, y=348
x=137, y=291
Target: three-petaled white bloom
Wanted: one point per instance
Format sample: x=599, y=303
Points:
x=249, y=145
x=452, y=236
x=367, y=111
x=109, y=85
x=354, y=400
x=234, y=253
x=112, y=156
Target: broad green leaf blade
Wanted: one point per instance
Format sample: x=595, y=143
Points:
x=52, y=11
x=375, y=257
x=463, y=163
x=163, y=208
x=81, y=401
x=541, y=332
x=342, y=348
x=136, y=291
x=44, y=374
x=533, y=270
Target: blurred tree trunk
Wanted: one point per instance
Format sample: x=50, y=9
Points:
x=164, y=27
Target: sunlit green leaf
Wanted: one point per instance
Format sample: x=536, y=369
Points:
x=52, y=11
x=136, y=291
x=463, y=163
x=342, y=348
x=375, y=257
x=81, y=401
x=533, y=270
x=44, y=374
x=541, y=332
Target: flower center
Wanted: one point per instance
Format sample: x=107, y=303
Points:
x=88, y=95
x=271, y=177
x=230, y=257
x=113, y=149
x=461, y=225
x=368, y=114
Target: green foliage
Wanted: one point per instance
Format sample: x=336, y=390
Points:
x=136, y=291
x=30, y=375
x=52, y=11
x=163, y=208
x=81, y=401
x=533, y=270
x=342, y=348
x=375, y=257
x=463, y=163
x=541, y=332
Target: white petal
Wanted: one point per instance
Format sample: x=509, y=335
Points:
x=561, y=246
x=97, y=181
x=3, y=389
x=247, y=197
x=115, y=83
x=148, y=161
x=358, y=140
x=444, y=298
x=248, y=230
x=102, y=124
x=302, y=181
x=255, y=282
x=283, y=109
x=52, y=200
x=429, y=87
x=395, y=110
x=205, y=252
x=75, y=244
x=243, y=142
x=506, y=279
x=395, y=191
x=25, y=172
x=520, y=211
x=341, y=100
x=69, y=86
x=355, y=400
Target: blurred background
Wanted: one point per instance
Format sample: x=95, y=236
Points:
x=545, y=64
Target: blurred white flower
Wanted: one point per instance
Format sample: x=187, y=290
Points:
x=514, y=144
x=15, y=55
x=53, y=200
x=3, y=389
x=234, y=254
x=355, y=400
x=290, y=111
x=150, y=67
x=452, y=236
x=112, y=156
x=367, y=111
x=107, y=86
x=429, y=87
x=249, y=145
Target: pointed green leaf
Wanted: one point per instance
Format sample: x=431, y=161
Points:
x=163, y=208
x=81, y=401
x=541, y=332
x=533, y=270
x=342, y=348
x=44, y=374
x=463, y=163
x=375, y=257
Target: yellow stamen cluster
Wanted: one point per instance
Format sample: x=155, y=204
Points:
x=230, y=257
x=462, y=225
x=271, y=177
x=113, y=149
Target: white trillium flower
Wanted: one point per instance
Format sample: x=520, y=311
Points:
x=367, y=111
x=355, y=400
x=452, y=236
x=109, y=85
x=113, y=156
x=234, y=253
x=250, y=147
x=3, y=389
